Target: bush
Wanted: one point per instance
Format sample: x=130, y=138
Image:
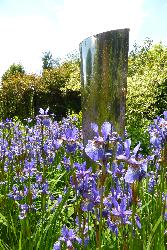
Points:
x=23, y=95
x=17, y=95
x=147, y=88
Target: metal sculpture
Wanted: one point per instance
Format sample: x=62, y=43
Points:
x=104, y=62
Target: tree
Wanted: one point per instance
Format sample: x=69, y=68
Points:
x=14, y=69
x=17, y=95
x=48, y=61
x=62, y=89
x=147, y=88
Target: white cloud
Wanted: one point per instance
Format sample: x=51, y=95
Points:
x=24, y=38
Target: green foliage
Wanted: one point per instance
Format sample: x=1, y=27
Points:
x=62, y=89
x=147, y=88
x=72, y=68
x=1, y=103
x=58, y=88
x=17, y=95
x=45, y=187
x=48, y=61
x=14, y=69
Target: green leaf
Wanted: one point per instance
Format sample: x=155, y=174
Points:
x=3, y=220
x=153, y=232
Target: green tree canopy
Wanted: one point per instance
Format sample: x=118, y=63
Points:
x=14, y=69
x=24, y=94
x=48, y=62
x=147, y=87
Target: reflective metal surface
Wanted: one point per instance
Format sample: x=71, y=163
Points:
x=104, y=61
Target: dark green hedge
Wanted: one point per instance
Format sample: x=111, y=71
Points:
x=58, y=88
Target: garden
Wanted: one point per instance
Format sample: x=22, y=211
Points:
x=55, y=192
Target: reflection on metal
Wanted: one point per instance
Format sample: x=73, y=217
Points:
x=104, y=61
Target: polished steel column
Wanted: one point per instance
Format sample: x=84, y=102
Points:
x=104, y=62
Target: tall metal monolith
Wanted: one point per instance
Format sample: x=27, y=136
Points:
x=104, y=63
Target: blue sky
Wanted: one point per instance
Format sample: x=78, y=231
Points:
x=30, y=27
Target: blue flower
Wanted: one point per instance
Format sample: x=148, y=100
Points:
x=112, y=226
x=57, y=246
x=120, y=210
x=83, y=179
x=136, y=173
x=125, y=155
x=137, y=219
x=158, y=134
x=106, y=130
x=29, y=168
x=151, y=184
x=70, y=134
x=68, y=236
x=96, y=148
x=95, y=128
x=137, y=166
x=95, y=153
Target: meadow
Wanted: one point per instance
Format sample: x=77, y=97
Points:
x=56, y=193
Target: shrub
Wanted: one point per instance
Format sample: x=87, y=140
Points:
x=59, y=88
x=147, y=88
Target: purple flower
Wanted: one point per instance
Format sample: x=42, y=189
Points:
x=125, y=155
x=96, y=149
x=92, y=200
x=29, y=168
x=68, y=236
x=23, y=213
x=39, y=178
x=59, y=199
x=165, y=115
x=95, y=153
x=106, y=130
x=16, y=194
x=120, y=210
x=112, y=226
x=57, y=246
x=117, y=170
x=57, y=143
x=70, y=134
x=47, y=121
x=83, y=180
x=44, y=187
x=95, y=128
x=43, y=112
x=151, y=184
x=66, y=163
x=71, y=147
x=138, y=167
x=136, y=173
x=154, y=140
x=158, y=134
x=137, y=219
